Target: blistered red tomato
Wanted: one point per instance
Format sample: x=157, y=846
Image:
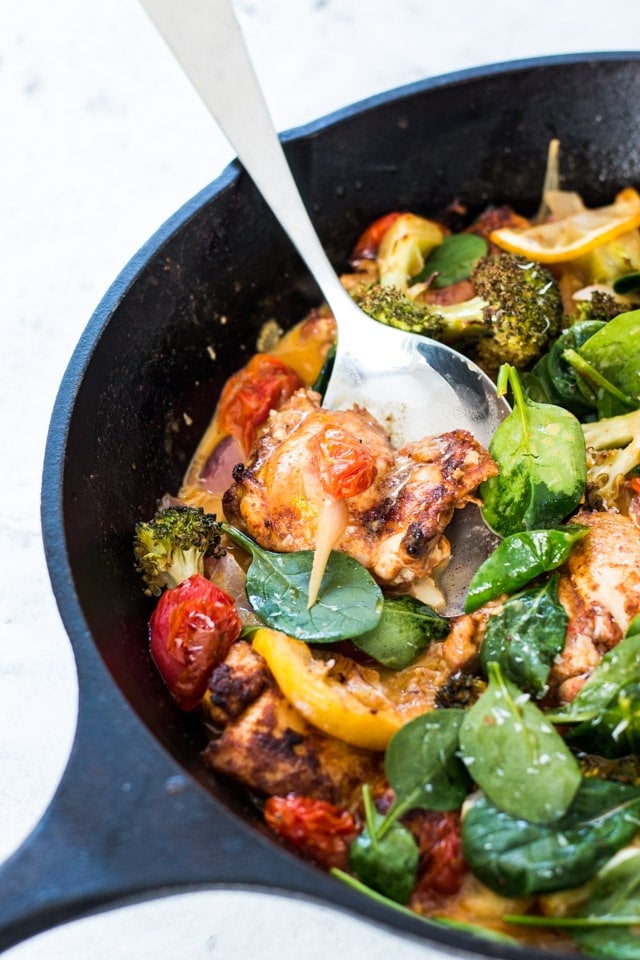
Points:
x=442, y=866
x=344, y=465
x=191, y=630
x=248, y=396
x=319, y=829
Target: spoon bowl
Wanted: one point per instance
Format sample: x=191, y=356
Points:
x=412, y=384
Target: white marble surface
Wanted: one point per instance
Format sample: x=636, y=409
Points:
x=101, y=140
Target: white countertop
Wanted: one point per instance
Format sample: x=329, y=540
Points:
x=102, y=139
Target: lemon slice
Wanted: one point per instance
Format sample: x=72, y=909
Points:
x=573, y=235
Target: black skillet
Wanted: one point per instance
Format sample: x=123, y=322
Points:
x=137, y=814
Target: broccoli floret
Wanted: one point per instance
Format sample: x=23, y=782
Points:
x=460, y=690
x=516, y=311
x=613, y=451
x=173, y=546
x=523, y=313
x=391, y=306
x=601, y=306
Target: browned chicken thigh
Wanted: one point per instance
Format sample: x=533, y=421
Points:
x=394, y=527
x=599, y=588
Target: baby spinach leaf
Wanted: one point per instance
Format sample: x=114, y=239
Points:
x=453, y=259
x=615, y=352
x=526, y=636
x=516, y=858
x=612, y=907
x=404, y=630
x=569, y=389
x=617, y=669
x=520, y=558
x=615, y=732
x=514, y=754
x=484, y=933
x=628, y=283
x=422, y=764
x=350, y=601
x=387, y=863
x=609, y=399
x=535, y=488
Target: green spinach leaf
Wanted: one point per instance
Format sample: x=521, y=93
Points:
x=615, y=732
x=387, y=862
x=350, y=601
x=617, y=669
x=405, y=629
x=570, y=390
x=515, y=857
x=514, y=754
x=612, y=908
x=422, y=764
x=526, y=636
x=628, y=283
x=536, y=486
x=453, y=259
x=614, y=352
x=520, y=558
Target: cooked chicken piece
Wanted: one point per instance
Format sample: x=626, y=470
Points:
x=600, y=590
x=394, y=527
x=599, y=587
x=236, y=683
x=268, y=746
x=461, y=648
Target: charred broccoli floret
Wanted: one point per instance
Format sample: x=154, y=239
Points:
x=613, y=451
x=601, y=306
x=523, y=310
x=516, y=311
x=460, y=690
x=173, y=546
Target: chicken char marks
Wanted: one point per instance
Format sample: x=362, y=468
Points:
x=269, y=747
x=395, y=527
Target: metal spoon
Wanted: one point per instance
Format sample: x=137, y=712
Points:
x=414, y=385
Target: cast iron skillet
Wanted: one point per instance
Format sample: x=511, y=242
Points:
x=137, y=814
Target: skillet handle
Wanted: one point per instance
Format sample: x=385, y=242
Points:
x=125, y=824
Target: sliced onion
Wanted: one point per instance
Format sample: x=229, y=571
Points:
x=216, y=474
x=332, y=522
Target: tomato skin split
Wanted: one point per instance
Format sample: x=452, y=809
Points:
x=344, y=466
x=191, y=630
x=248, y=396
x=317, y=828
x=442, y=866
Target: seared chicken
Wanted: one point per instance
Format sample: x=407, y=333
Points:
x=394, y=527
x=599, y=588
x=269, y=747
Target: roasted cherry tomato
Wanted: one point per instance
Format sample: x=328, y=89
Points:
x=369, y=242
x=634, y=483
x=442, y=866
x=345, y=467
x=248, y=396
x=319, y=829
x=191, y=630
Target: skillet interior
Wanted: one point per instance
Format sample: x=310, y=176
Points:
x=185, y=313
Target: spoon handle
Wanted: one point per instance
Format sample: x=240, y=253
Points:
x=205, y=38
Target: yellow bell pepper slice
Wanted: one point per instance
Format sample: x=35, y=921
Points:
x=349, y=708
